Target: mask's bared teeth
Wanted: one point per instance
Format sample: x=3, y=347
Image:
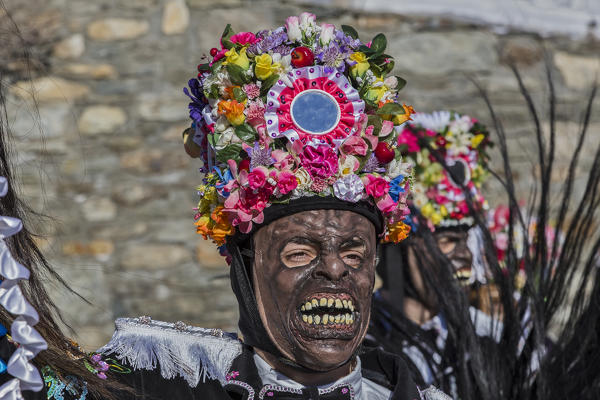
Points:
x=303, y=308
x=343, y=318
x=325, y=319
x=308, y=306
x=314, y=303
x=338, y=303
x=323, y=302
x=329, y=302
x=317, y=320
x=349, y=319
x=310, y=319
x=345, y=303
x=305, y=318
x=350, y=306
x=338, y=318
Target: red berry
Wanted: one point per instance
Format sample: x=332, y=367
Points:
x=302, y=57
x=384, y=153
x=214, y=51
x=244, y=164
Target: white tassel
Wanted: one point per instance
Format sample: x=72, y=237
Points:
x=177, y=349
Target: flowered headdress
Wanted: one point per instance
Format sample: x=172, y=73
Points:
x=460, y=142
x=300, y=111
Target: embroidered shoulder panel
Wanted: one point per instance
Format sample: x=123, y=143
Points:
x=432, y=393
x=63, y=388
x=177, y=349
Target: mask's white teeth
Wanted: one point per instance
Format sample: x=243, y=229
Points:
x=337, y=319
x=310, y=319
x=350, y=305
x=348, y=319
x=343, y=318
x=345, y=302
x=305, y=318
x=338, y=303
x=329, y=302
x=323, y=302
x=317, y=320
x=325, y=319
x=315, y=303
x=308, y=306
x=303, y=308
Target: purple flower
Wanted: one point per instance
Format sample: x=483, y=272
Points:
x=269, y=42
x=346, y=42
x=259, y=156
x=198, y=100
x=332, y=57
x=371, y=165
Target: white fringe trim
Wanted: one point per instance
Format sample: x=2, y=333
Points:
x=177, y=349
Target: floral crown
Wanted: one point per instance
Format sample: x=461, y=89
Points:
x=461, y=142
x=302, y=110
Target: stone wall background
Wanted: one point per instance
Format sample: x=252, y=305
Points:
x=100, y=148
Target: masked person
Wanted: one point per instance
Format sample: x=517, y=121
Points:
x=295, y=128
x=448, y=155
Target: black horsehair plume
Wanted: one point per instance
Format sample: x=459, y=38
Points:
x=548, y=337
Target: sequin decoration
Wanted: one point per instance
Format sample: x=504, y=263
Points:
x=67, y=388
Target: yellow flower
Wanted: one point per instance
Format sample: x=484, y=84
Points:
x=240, y=59
x=233, y=111
x=427, y=210
x=436, y=218
x=443, y=211
x=361, y=66
x=476, y=140
x=203, y=226
x=265, y=66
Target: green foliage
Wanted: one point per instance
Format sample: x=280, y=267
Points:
x=391, y=109
x=268, y=84
x=237, y=74
x=231, y=152
x=376, y=121
x=246, y=133
x=350, y=31
x=239, y=94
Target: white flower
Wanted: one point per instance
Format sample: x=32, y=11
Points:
x=222, y=122
x=307, y=21
x=391, y=82
x=436, y=121
x=397, y=167
x=292, y=26
x=348, y=165
x=461, y=125
x=303, y=178
x=327, y=31
x=225, y=138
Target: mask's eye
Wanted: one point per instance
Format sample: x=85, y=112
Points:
x=297, y=255
x=353, y=258
x=447, y=244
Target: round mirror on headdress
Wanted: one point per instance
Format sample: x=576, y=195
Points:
x=459, y=172
x=315, y=111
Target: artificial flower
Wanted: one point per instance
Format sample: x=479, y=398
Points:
x=292, y=27
x=320, y=161
x=240, y=59
x=348, y=165
x=252, y=90
x=349, y=188
x=265, y=67
x=355, y=145
x=286, y=182
x=376, y=186
x=397, y=232
x=476, y=140
x=327, y=32
x=361, y=64
x=244, y=38
x=307, y=20
x=402, y=118
x=233, y=111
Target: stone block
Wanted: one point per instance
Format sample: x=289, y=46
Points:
x=208, y=256
x=132, y=195
x=50, y=88
x=98, y=209
x=579, y=72
x=439, y=54
x=117, y=29
x=101, y=119
x=52, y=120
x=154, y=160
x=70, y=47
x=96, y=248
x=154, y=256
x=522, y=50
x=153, y=107
x=176, y=17
x=88, y=71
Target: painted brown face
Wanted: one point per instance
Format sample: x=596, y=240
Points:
x=313, y=277
x=453, y=243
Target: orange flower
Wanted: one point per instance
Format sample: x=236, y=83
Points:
x=229, y=92
x=203, y=226
x=233, y=110
x=222, y=227
x=397, y=232
x=400, y=119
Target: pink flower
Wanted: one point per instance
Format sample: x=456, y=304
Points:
x=252, y=90
x=255, y=113
x=292, y=27
x=386, y=204
x=319, y=161
x=327, y=32
x=354, y=145
x=376, y=186
x=258, y=177
x=386, y=128
x=286, y=182
x=410, y=140
x=283, y=159
x=244, y=38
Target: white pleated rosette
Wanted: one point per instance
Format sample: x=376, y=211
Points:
x=26, y=376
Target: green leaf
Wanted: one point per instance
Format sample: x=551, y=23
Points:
x=391, y=109
x=350, y=31
x=401, y=83
x=237, y=74
x=227, y=44
x=213, y=138
x=389, y=66
x=376, y=121
x=364, y=49
x=246, y=133
x=239, y=94
x=379, y=43
x=268, y=84
x=228, y=32
x=376, y=69
x=370, y=103
x=216, y=66
x=231, y=152
x=213, y=93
